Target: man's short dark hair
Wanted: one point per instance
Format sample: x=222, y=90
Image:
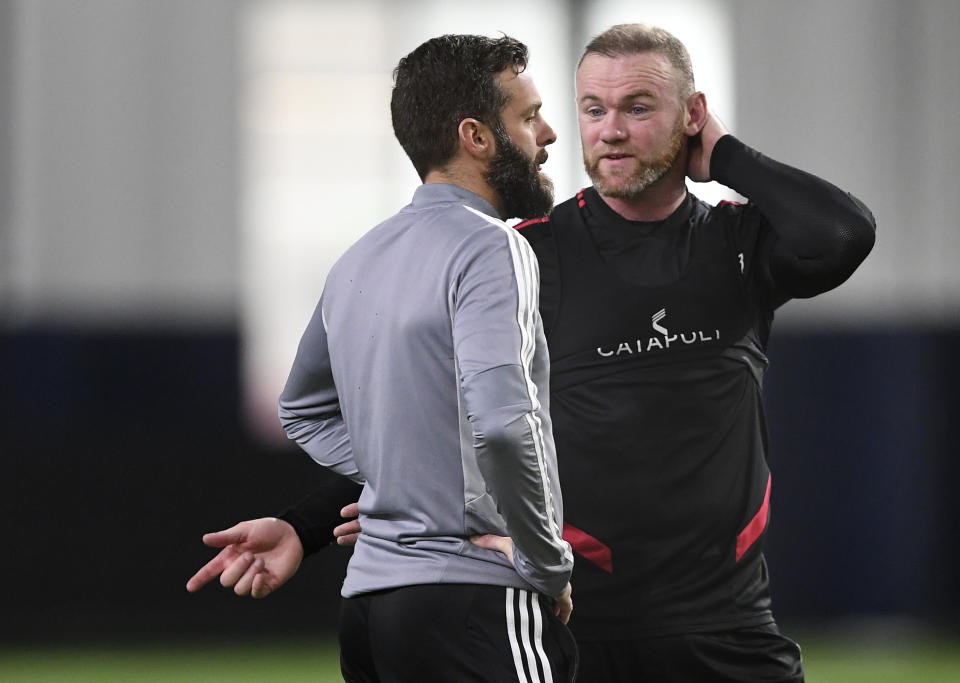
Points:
x=634, y=39
x=441, y=83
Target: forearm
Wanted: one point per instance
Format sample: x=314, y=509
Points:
x=821, y=232
x=502, y=364
x=512, y=456
x=315, y=516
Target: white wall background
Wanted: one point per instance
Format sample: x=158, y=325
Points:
x=867, y=94
x=124, y=163
x=202, y=162
x=322, y=165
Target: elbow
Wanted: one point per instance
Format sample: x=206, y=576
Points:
x=804, y=276
x=859, y=232
x=502, y=433
x=856, y=233
x=289, y=421
x=494, y=437
x=298, y=427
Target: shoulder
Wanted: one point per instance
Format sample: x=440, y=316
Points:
x=725, y=209
x=471, y=220
x=536, y=230
x=485, y=237
x=728, y=205
x=729, y=215
x=464, y=227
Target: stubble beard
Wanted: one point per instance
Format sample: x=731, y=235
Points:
x=646, y=174
x=524, y=191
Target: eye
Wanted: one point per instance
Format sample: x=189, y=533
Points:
x=594, y=112
x=638, y=109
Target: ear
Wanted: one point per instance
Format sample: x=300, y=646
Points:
x=476, y=139
x=696, y=113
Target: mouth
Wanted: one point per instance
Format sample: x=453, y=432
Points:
x=616, y=157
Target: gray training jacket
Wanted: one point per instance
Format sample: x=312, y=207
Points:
x=424, y=375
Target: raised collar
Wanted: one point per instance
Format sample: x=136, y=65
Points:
x=430, y=194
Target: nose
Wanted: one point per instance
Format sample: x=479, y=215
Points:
x=547, y=136
x=611, y=129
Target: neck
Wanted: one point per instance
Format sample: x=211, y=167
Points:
x=639, y=209
x=475, y=182
x=655, y=203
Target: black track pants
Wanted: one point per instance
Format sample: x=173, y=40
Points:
x=454, y=633
x=759, y=654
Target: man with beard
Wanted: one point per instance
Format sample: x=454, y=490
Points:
x=423, y=376
x=657, y=309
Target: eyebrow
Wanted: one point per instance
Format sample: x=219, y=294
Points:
x=533, y=108
x=636, y=95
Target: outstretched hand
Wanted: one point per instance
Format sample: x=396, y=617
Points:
x=258, y=557
x=700, y=148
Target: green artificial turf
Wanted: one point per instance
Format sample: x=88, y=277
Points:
x=922, y=661
x=243, y=663
x=826, y=659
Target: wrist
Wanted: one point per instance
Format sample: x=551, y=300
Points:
x=309, y=542
x=724, y=149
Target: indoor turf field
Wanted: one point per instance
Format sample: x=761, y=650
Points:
x=827, y=660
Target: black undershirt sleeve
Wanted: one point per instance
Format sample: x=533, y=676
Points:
x=820, y=233
x=315, y=516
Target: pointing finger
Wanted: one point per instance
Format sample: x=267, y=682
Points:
x=209, y=571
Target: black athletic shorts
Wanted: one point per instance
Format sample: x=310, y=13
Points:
x=758, y=654
x=454, y=633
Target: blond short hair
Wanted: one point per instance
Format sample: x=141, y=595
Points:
x=632, y=39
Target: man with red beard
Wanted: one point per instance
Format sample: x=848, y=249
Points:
x=657, y=309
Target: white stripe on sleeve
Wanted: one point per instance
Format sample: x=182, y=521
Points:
x=528, y=286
